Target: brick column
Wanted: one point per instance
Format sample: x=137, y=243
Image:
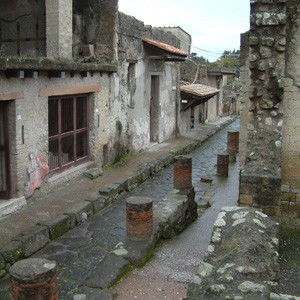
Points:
x=182, y=169
x=233, y=145
x=59, y=28
x=34, y=279
x=222, y=164
x=139, y=217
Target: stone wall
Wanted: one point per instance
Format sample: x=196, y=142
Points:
x=190, y=71
x=184, y=37
x=244, y=97
x=290, y=204
x=260, y=179
x=95, y=27
x=241, y=261
x=270, y=174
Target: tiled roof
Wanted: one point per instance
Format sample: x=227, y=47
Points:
x=166, y=47
x=199, y=90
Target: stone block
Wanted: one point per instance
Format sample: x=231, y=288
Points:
x=99, y=203
x=93, y=173
x=267, y=41
x=107, y=272
x=246, y=200
x=34, y=239
x=80, y=212
x=288, y=197
x=57, y=226
x=88, y=50
x=272, y=211
x=110, y=191
x=12, y=252
x=253, y=41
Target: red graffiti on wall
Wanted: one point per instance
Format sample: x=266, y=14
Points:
x=37, y=170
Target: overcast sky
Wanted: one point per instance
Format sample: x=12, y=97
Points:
x=215, y=25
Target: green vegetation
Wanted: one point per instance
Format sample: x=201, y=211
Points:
x=231, y=60
x=197, y=59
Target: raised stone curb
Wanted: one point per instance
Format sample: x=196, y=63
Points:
x=34, y=239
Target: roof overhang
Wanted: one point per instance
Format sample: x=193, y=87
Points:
x=160, y=51
x=196, y=94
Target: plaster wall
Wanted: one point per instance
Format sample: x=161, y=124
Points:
x=212, y=103
x=136, y=96
x=184, y=37
x=30, y=115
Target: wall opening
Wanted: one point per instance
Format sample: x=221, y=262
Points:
x=68, y=124
x=131, y=83
x=23, y=28
x=5, y=184
x=154, y=108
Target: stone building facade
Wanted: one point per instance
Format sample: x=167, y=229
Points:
x=76, y=90
x=210, y=109
x=270, y=174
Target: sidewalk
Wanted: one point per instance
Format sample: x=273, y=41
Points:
x=29, y=230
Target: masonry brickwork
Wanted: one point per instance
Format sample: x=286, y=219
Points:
x=269, y=135
x=59, y=24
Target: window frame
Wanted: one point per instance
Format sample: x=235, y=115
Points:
x=74, y=133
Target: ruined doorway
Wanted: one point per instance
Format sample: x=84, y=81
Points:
x=154, y=108
x=4, y=152
x=68, y=131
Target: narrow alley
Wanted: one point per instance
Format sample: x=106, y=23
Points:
x=86, y=262
x=175, y=261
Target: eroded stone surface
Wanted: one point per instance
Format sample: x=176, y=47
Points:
x=242, y=262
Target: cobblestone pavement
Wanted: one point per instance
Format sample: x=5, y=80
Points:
x=175, y=262
x=85, y=264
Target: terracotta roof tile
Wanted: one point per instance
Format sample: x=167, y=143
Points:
x=165, y=47
x=200, y=90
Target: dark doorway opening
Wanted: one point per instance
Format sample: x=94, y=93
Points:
x=154, y=109
x=5, y=185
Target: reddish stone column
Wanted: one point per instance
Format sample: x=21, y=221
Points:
x=139, y=217
x=182, y=169
x=233, y=144
x=222, y=164
x=34, y=279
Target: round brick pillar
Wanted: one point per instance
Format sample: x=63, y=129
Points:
x=222, y=164
x=182, y=168
x=232, y=144
x=34, y=279
x=139, y=217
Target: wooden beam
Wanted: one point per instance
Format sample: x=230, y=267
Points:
x=69, y=90
x=11, y=96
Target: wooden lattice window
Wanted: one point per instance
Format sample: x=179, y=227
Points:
x=22, y=28
x=68, y=131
